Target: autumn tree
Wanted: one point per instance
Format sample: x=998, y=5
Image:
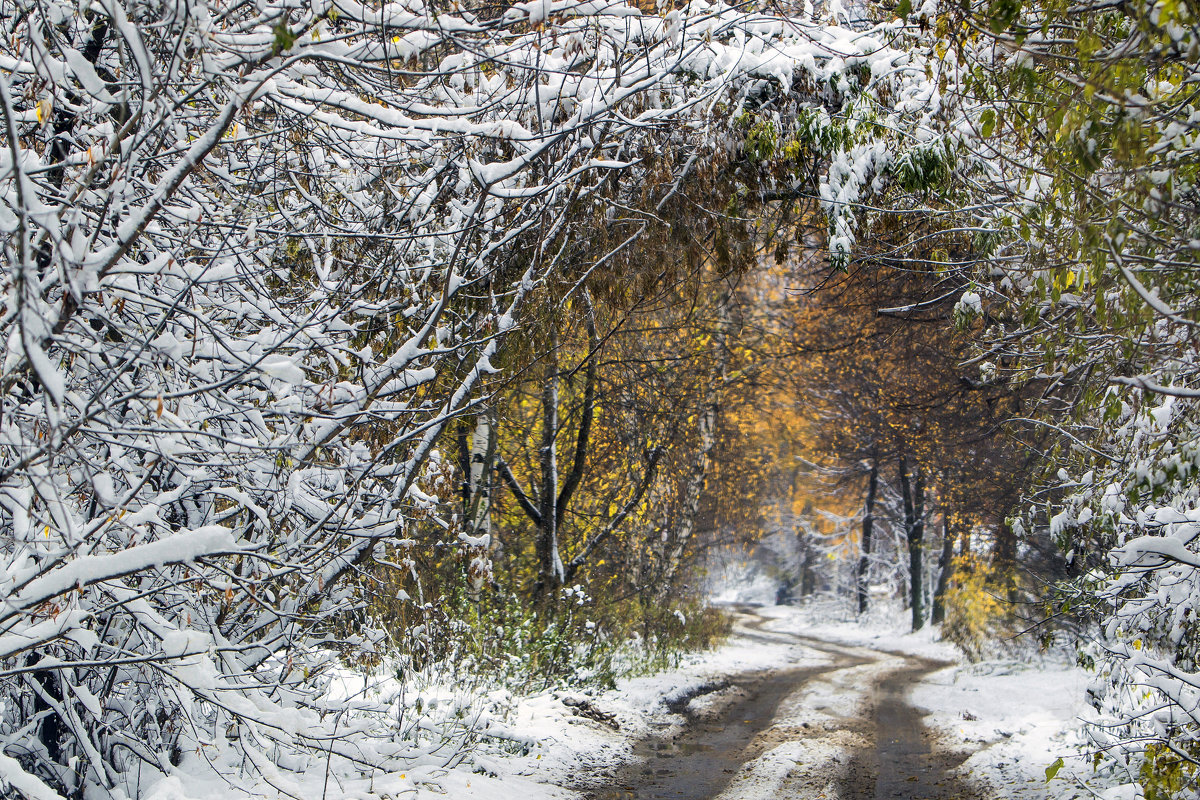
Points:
x=259, y=261
x=1077, y=168
x=873, y=354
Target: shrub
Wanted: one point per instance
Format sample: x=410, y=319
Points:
x=1167, y=771
x=976, y=613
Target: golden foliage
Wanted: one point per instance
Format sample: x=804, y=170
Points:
x=976, y=612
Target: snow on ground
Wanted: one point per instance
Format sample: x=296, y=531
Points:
x=550, y=740
x=887, y=630
x=1016, y=717
x=574, y=746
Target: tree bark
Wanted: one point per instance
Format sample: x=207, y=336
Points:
x=587, y=413
x=945, y=569
x=554, y=491
x=694, y=487
x=482, y=453
x=912, y=487
x=706, y=426
x=550, y=567
x=477, y=513
x=868, y=524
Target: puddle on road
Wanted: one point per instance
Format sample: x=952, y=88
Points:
x=674, y=749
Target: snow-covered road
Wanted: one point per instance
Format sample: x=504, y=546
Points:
x=840, y=728
x=794, y=709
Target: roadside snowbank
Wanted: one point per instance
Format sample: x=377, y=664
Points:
x=1018, y=718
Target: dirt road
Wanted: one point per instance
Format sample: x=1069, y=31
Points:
x=904, y=762
x=840, y=729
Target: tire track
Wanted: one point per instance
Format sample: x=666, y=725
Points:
x=840, y=729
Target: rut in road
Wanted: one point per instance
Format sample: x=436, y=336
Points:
x=698, y=763
x=701, y=760
x=902, y=764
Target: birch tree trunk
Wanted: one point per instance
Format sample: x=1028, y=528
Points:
x=477, y=518
x=483, y=451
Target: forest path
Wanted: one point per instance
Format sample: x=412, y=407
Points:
x=840, y=728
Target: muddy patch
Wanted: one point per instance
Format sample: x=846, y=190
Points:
x=904, y=761
x=700, y=760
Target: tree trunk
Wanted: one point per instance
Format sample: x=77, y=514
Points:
x=550, y=568
x=808, y=576
x=945, y=569
x=706, y=426
x=861, y=577
x=548, y=509
x=477, y=514
x=913, y=489
x=694, y=487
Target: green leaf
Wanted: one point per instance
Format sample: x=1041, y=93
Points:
x=987, y=121
x=1003, y=13
x=903, y=9
x=1053, y=769
x=284, y=39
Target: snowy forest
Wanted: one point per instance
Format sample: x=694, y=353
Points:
x=386, y=382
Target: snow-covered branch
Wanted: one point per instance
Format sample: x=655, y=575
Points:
x=256, y=256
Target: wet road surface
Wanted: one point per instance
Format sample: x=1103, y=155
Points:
x=892, y=757
x=902, y=764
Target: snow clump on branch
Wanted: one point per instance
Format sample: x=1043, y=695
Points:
x=256, y=256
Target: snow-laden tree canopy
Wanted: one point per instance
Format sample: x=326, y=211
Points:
x=1073, y=205
x=255, y=256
